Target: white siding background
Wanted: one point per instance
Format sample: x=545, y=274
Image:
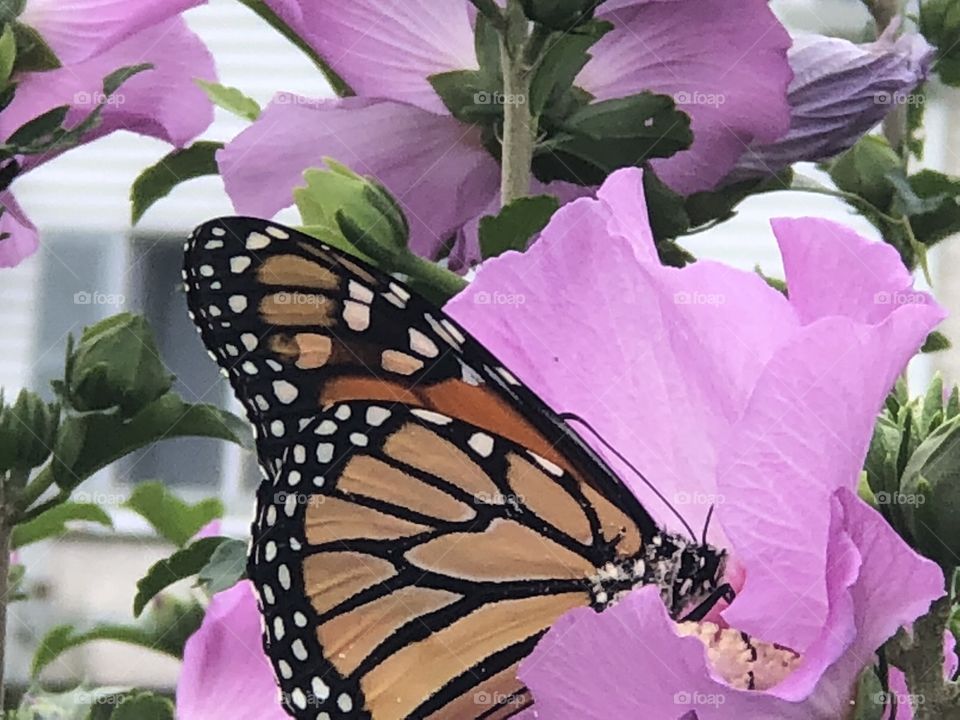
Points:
x=87, y=578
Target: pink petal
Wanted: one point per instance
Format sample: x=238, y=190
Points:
x=163, y=102
x=433, y=165
x=23, y=240
x=77, y=30
x=659, y=361
x=225, y=674
x=804, y=435
x=724, y=61
x=389, y=49
x=832, y=270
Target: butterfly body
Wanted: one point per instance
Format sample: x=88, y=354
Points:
x=424, y=518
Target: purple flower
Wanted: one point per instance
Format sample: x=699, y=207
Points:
x=840, y=90
x=225, y=674
x=93, y=39
x=399, y=131
x=725, y=394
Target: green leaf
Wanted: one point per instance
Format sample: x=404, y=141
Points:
x=863, y=170
x=668, y=216
x=158, y=181
x=97, y=439
x=39, y=128
x=936, y=342
x=513, y=227
x=8, y=54
x=605, y=136
x=231, y=99
x=172, y=518
x=227, y=566
x=113, y=81
x=66, y=637
x=179, y=566
x=53, y=522
x=566, y=55
x=469, y=95
x=144, y=707
x=777, y=284
x=716, y=206
x=33, y=52
x=942, y=216
x=931, y=408
x=870, y=699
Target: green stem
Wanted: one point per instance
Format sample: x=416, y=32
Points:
x=921, y=660
x=7, y=521
x=446, y=283
x=519, y=125
x=340, y=86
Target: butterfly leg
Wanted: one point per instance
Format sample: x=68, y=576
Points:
x=724, y=592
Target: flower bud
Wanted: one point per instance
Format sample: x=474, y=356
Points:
x=358, y=209
x=930, y=495
x=28, y=431
x=116, y=364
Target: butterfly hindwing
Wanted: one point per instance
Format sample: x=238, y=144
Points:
x=383, y=602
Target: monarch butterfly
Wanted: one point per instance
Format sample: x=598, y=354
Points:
x=424, y=518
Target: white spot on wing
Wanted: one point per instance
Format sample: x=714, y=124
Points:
x=239, y=263
x=431, y=417
x=257, y=241
x=482, y=444
x=286, y=392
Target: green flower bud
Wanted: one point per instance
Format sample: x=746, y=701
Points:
x=929, y=496
x=28, y=430
x=344, y=207
x=116, y=364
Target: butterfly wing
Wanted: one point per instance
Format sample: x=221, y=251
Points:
x=425, y=517
x=407, y=562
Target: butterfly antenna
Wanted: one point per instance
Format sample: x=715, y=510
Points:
x=573, y=417
x=706, y=524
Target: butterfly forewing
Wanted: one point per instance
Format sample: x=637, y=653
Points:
x=424, y=517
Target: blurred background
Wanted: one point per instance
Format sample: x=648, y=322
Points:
x=91, y=265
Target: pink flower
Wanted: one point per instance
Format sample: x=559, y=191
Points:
x=399, y=131
x=93, y=38
x=226, y=675
x=725, y=394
